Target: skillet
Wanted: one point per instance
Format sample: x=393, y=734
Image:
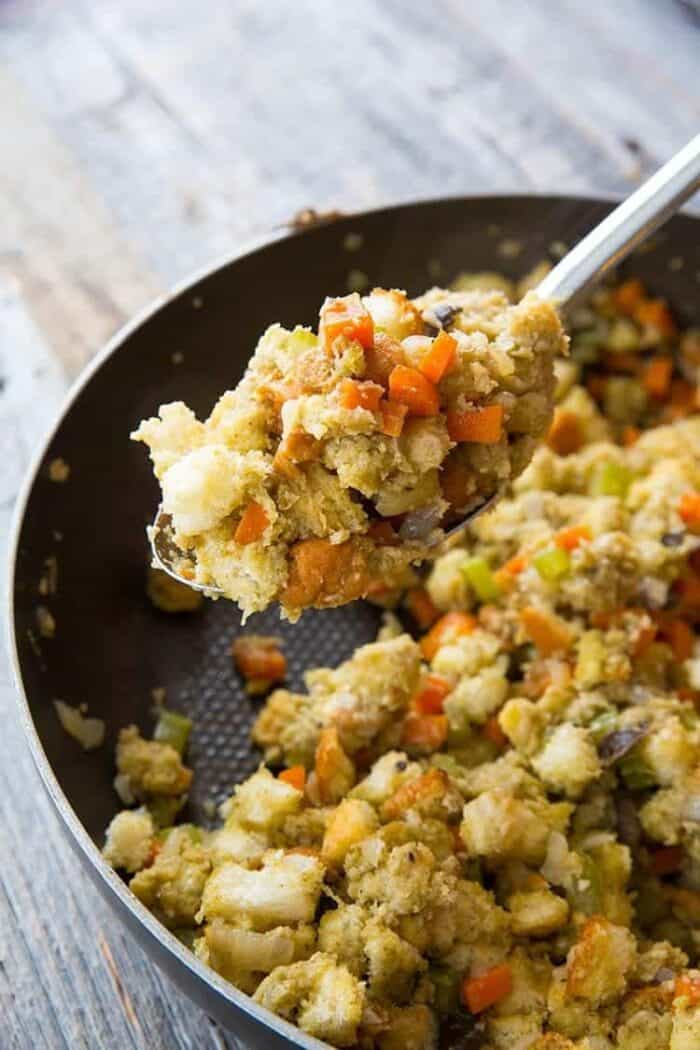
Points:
x=112, y=648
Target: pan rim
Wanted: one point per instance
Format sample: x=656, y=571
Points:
x=117, y=892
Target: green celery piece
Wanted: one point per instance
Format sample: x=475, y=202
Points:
x=480, y=578
x=602, y=725
x=193, y=833
x=173, y=729
x=446, y=988
x=164, y=809
x=610, y=479
x=552, y=563
x=636, y=771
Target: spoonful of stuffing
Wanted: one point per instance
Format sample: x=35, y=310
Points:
x=347, y=454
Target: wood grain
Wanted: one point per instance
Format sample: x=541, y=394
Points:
x=138, y=142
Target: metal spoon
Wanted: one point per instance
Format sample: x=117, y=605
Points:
x=612, y=240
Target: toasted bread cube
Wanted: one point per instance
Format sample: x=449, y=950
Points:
x=385, y=777
x=150, y=767
x=598, y=964
x=410, y=1028
x=686, y=1029
x=262, y=802
x=233, y=842
x=537, y=913
x=233, y=950
x=129, y=840
x=393, y=963
x=670, y=752
x=172, y=886
x=321, y=997
x=352, y=821
x=341, y=933
x=568, y=762
x=285, y=890
x=503, y=828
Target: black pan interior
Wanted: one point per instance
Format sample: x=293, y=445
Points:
x=111, y=647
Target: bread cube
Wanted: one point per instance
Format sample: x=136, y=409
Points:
x=285, y=890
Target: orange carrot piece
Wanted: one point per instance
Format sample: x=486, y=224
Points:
x=494, y=733
x=410, y=387
x=683, y=399
x=628, y=296
x=424, y=733
x=440, y=358
x=383, y=533
x=421, y=607
x=630, y=436
x=514, y=566
x=393, y=415
x=449, y=628
x=430, y=786
x=252, y=524
x=565, y=434
x=347, y=318
x=657, y=377
x=654, y=313
x=667, y=860
x=481, y=425
x=547, y=632
x=689, y=511
x=687, y=988
x=295, y=775
x=678, y=635
x=622, y=361
x=356, y=394
x=431, y=695
x=645, y=636
x=259, y=657
x=479, y=993
x=569, y=539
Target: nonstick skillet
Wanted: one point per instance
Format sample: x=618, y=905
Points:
x=111, y=647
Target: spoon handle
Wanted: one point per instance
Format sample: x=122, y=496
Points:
x=625, y=227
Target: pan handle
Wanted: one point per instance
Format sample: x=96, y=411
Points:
x=626, y=227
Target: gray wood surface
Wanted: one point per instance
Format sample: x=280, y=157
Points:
x=140, y=140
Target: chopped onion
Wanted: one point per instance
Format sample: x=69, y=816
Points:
x=89, y=732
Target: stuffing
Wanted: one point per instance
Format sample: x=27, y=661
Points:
x=600, y=961
x=568, y=762
x=286, y=889
x=129, y=840
x=173, y=885
x=321, y=997
x=149, y=767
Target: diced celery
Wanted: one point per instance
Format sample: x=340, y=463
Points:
x=164, y=809
x=446, y=989
x=552, y=563
x=193, y=833
x=623, y=335
x=480, y=578
x=602, y=725
x=173, y=729
x=586, y=894
x=636, y=771
x=610, y=479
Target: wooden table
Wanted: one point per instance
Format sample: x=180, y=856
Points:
x=140, y=140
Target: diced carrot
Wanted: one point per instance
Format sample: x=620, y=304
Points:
x=678, y=635
x=692, y=696
x=514, y=566
x=382, y=358
x=628, y=295
x=295, y=775
x=479, y=993
x=622, y=361
x=421, y=607
x=667, y=860
x=654, y=313
x=324, y=574
x=259, y=658
x=449, y=628
x=689, y=510
x=456, y=482
x=383, y=533
x=546, y=630
x=687, y=987
x=657, y=377
x=440, y=358
x=431, y=694
x=646, y=634
x=596, y=385
x=410, y=387
x=424, y=733
x=393, y=415
x=252, y=524
x=484, y=425
x=430, y=786
x=347, y=318
x=297, y=447
x=683, y=399
x=494, y=733
x=569, y=539
x=630, y=436
x=356, y=394
x=565, y=434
